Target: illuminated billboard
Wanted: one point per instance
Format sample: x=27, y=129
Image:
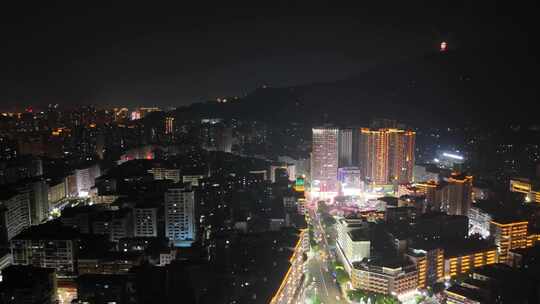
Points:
x=299, y=184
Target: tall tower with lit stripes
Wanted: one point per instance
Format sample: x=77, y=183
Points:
x=324, y=159
x=386, y=155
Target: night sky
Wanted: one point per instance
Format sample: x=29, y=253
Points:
x=148, y=54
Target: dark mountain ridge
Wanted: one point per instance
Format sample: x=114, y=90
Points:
x=453, y=88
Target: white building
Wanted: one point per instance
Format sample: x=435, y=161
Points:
x=145, y=221
x=479, y=222
x=180, y=216
x=86, y=179
x=353, y=245
x=49, y=245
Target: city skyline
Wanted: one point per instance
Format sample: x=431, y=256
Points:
x=287, y=153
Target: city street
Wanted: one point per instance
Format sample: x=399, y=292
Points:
x=319, y=267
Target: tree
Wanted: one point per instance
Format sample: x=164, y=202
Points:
x=322, y=207
x=342, y=276
x=363, y=296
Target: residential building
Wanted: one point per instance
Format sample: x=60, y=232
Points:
x=461, y=258
x=530, y=188
x=479, y=222
x=389, y=277
x=458, y=294
x=352, y=244
x=508, y=234
x=145, y=221
x=121, y=225
x=14, y=213
x=36, y=190
x=180, y=222
x=457, y=194
x=47, y=245
x=86, y=179
x=57, y=191
x=387, y=155
x=429, y=261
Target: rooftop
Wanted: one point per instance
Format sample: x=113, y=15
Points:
x=358, y=235
x=496, y=271
x=385, y=264
x=501, y=212
x=469, y=293
x=461, y=247
x=52, y=230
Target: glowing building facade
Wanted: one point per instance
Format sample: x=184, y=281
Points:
x=429, y=264
x=401, y=155
x=387, y=278
x=530, y=188
x=350, y=180
x=292, y=282
x=169, y=125
x=324, y=159
x=457, y=194
x=463, y=263
x=508, y=235
x=387, y=155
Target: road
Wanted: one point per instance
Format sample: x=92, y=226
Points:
x=320, y=268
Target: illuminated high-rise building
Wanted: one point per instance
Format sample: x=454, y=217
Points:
x=345, y=148
x=169, y=125
x=387, y=155
x=180, y=216
x=374, y=155
x=401, y=155
x=456, y=196
x=508, y=235
x=429, y=261
x=324, y=159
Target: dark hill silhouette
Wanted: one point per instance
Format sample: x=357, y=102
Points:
x=442, y=88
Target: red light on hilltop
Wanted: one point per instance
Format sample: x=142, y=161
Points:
x=29, y=110
x=444, y=46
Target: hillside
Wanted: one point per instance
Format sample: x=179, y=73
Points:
x=450, y=88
